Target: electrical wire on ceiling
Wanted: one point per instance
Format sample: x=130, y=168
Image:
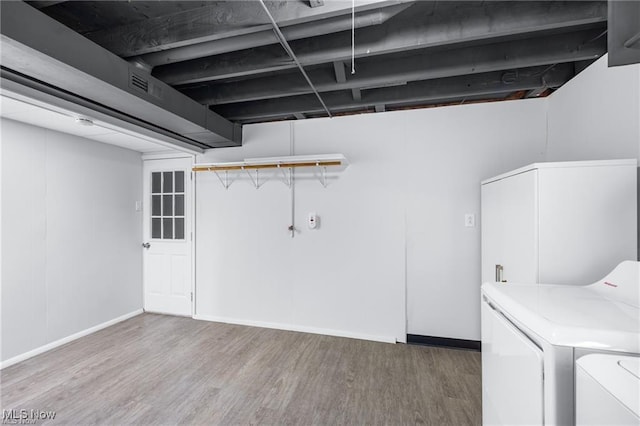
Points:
x=544, y=71
x=595, y=38
x=287, y=48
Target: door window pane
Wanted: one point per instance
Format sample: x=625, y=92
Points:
x=156, y=209
x=156, y=230
x=167, y=228
x=167, y=205
x=179, y=228
x=179, y=206
x=167, y=182
x=156, y=182
x=179, y=184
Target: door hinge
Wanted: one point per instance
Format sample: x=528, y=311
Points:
x=191, y=175
x=192, y=296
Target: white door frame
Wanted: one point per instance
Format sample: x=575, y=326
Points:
x=189, y=233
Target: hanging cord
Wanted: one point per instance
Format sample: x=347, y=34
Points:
x=292, y=177
x=353, y=36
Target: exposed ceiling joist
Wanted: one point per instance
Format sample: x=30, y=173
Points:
x=339, y=71
x=409, y=54
x=624, y=32
x=427, y=65
x=431, y=90
x=449, y=26
x=41, y=4
x=534, y=93
x=266, y=37
x=219, y=19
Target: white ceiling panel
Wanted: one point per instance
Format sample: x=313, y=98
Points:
x=12, y=106
x=65, y=121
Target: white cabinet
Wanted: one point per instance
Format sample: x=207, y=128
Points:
x=560, y=223
x=512, y=373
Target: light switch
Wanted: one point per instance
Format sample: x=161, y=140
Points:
x=138, y=206
x=470, y=220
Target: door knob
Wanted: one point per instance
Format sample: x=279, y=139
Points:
x=146, y=245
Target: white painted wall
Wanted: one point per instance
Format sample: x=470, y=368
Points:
x=391, y=244
x=596, y=116
x=346, y=278
x=71, y=255
x=451, y=150
x=392, y=223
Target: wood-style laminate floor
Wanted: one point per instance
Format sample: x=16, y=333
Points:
x=156, y=369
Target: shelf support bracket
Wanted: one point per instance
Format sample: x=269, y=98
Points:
x=256, y=181
x=287, y=179
x=323, y=174
x=224, y=182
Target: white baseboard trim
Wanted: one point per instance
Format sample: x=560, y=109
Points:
x=291, y=327
x=37, y=351
x=159, y=312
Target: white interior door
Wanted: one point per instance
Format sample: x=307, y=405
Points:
x=167, y=245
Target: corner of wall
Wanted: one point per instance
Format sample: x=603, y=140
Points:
x=546, y=131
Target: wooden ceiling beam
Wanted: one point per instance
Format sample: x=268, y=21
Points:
x=411, y=31
x=423, y=65
x=219, y=19
x=41, y=4
x=469, y=86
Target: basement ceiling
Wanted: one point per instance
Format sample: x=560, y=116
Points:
x=226, y=55
x=54, y=118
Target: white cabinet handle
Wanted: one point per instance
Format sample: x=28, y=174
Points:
x=499, y=270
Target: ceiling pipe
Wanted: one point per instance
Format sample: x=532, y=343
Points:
x=263, y=38
x=285, y=45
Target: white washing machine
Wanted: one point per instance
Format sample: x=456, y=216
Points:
x=532, y=334
x=608, y=390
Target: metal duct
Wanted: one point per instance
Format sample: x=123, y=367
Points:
x=42, y=49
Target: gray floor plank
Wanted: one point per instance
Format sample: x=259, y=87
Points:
x=156, y=369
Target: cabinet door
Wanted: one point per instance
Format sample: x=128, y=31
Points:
x=510, y=228
x=491, y=229
x=512, y=374
x=588, y=222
